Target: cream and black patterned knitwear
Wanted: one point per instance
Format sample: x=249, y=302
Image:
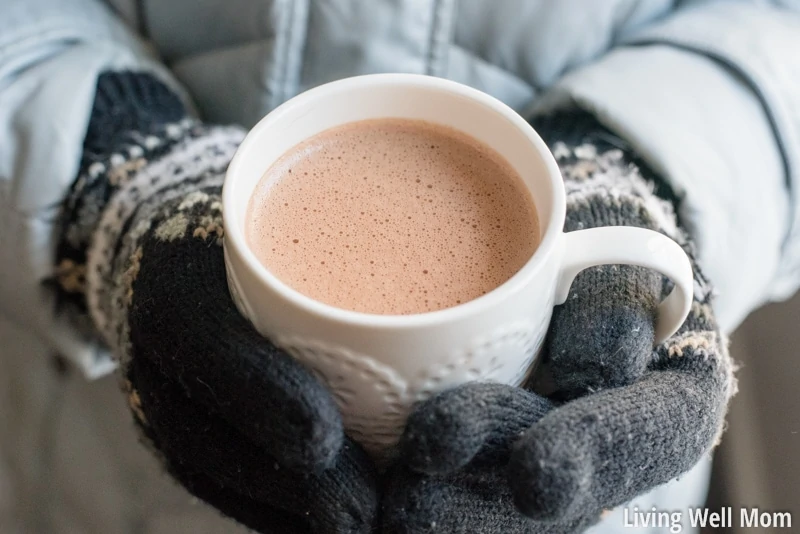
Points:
x=243, y=426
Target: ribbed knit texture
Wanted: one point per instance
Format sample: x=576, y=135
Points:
x=503, y=460
x=238, y=422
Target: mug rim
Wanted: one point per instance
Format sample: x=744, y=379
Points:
x=550, y=230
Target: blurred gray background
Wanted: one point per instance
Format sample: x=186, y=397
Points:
x=758, y=462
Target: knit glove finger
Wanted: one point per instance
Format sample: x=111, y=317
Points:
x=142, y=251
x=476, y=422
x=602, y=336
x=204, y=447
x=475, y=499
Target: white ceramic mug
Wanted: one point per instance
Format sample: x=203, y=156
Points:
x=379, y=366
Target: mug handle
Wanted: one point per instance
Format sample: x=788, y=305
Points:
x=625, y=245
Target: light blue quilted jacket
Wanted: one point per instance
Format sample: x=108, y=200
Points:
x=707, y=90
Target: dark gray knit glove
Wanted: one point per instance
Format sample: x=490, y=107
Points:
x=625, y=417
x=239, y=423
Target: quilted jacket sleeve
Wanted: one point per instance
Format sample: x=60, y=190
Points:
x=710, y=96
x=51, y=52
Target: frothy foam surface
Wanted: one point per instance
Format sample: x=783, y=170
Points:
x=392, y=216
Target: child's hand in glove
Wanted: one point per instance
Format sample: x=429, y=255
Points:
x=239, y=423
x=490, y=458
